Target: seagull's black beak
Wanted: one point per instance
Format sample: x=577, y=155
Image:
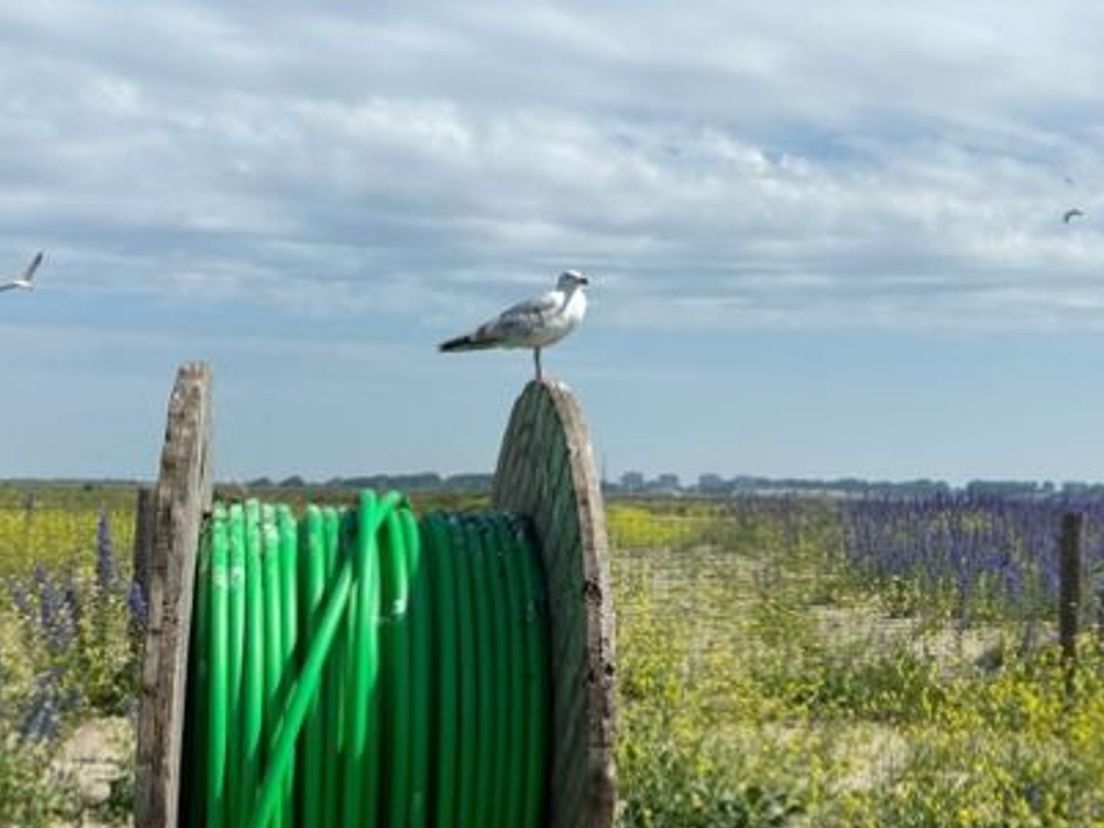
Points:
x=583, y=280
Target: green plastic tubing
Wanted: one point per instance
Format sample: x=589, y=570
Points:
x=235, y=653
x=445, y=644
x=419, y=640
x=331, y=709
x=218, y=671
x=359, y=667
x=195, y=707
x=252, y=708
x=313, y=569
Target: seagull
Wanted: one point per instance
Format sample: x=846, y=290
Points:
x=26, y=281
x=534, y=323
x=1071, y=214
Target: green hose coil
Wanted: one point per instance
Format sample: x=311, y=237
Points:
x=358, y=667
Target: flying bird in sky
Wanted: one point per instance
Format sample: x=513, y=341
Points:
x=26, y=281
x=1071, y=214
x=534, y=323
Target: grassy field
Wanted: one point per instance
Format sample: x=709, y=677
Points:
x=774, y=668
x=766, y=680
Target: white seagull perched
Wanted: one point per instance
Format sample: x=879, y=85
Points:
x=26, y=281
x=534, y=323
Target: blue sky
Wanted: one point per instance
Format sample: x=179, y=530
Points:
x=823, y=240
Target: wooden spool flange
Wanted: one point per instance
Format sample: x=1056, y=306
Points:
x=181, y=498
x=546, y=472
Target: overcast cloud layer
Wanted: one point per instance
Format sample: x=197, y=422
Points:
x=729, y=165
x=831, y=233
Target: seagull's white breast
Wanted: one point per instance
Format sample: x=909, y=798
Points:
x=562, y=322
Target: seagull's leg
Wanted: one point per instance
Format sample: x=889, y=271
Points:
x=536, y=360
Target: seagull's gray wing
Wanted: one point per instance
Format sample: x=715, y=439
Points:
x=521, y=319
x=8, y=286
x=29, y=273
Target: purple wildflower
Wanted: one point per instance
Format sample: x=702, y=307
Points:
x=105, y=558
x=49, y=604
x=41, y=720
x=137, y=604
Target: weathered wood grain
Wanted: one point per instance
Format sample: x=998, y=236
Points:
x=546, y=472
x=180, y=500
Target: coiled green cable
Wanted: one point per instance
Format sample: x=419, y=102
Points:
x=359, y=667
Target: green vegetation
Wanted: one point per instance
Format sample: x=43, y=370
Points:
x=67, y=652
x=766, y=682
x=764, y=679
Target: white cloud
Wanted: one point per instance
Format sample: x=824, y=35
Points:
x=737, y=165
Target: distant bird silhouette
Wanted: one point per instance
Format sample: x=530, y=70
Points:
x=1071, y=214
x=26, y=281
x=534, y=323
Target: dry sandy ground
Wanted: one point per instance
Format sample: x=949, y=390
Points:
x=98, y=752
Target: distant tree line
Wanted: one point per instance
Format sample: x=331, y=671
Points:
x=714, y=485
x=636, y=483
x=416, y=482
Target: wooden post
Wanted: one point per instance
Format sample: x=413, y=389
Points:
x=141, y=552
x=546, y=472
x=1069, y=591
x=142, y=549
x=180, y=500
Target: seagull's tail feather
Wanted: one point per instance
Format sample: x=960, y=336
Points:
x=468, y=342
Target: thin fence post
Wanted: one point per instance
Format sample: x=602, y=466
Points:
x=1069, y=591
x=143, y=537
x=141, y=553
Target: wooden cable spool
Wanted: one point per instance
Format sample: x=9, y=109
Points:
x=545, y=472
